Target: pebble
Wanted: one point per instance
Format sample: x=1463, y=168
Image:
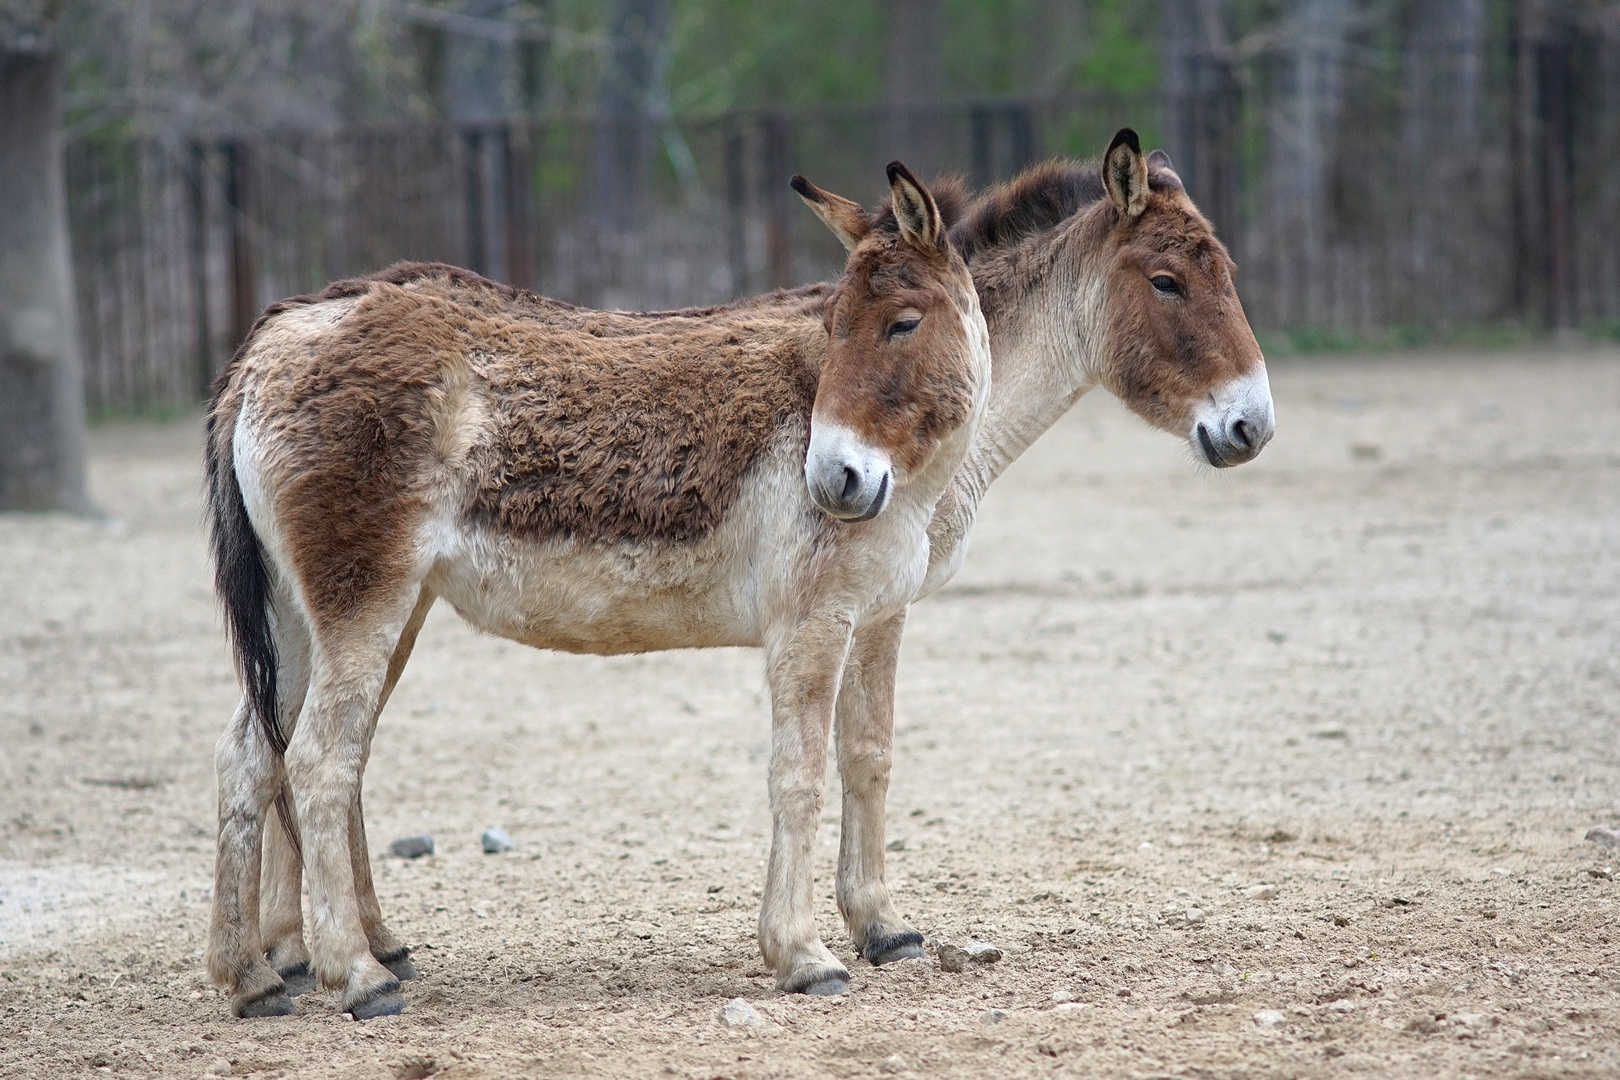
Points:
x=1270, y=1018
x=958, y=957
x=1261, y=892
x=738, y=1013
x=1069, y=1007
x=1194, y=915
x=1606, y=837
x=1061, y=997
x=411, y=847
x=892, y=1064
x=1146, y=847
x=220, y=1067
x=1343, y=1005
x=495, y=841
x=993, y=1016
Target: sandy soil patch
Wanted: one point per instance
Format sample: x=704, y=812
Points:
x=1314, y=740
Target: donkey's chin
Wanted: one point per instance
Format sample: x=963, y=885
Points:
x=852, y=511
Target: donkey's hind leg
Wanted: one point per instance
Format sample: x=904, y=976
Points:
x=385, y=946
x=325, y=759
x=281, y=918
x=248, y=777
x=865, y=736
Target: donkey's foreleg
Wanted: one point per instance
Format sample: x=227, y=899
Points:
x=387, y=948
x=247, y=777
x=804, y=671
x=325, y=760
x=865, y=736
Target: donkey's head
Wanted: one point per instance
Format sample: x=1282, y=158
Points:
x=908, y=355
x=1177, y=348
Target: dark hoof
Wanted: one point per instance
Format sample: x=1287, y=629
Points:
x=886, y=950
x=384, y=1001
x=831, y=986
x=819, y=982
x=275, y=1003
x=297, y=979
x=399, y=964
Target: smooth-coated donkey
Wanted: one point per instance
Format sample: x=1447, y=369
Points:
x=759, y=474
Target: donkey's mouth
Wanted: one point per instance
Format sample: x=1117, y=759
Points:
x=1208, y=446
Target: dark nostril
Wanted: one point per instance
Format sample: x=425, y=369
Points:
x=1240, y=434
x=852, y=483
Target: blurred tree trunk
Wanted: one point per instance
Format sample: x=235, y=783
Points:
x=1201, y=98
x=42, y=429
x=1443, y=69
x=913, y=78
x=1543, y=162
x=1302, y=158
x=624, y=132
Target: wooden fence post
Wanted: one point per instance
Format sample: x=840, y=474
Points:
x=239, y=207
x=197, y=177
x=518, y=215
x=736, y=209
x=778, y=222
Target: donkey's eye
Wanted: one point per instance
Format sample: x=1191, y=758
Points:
x=904, y=327
x=1165, y=284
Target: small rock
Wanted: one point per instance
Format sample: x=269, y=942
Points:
x=1343, y=1005
x=1194, y=916
x=1061, y=997
x=993, y=1016
x=958, y=957
x=1606, y=837
x=495, y=841
x=892, y=1064
x=897, y=844
x=1602, y=873
x=1261, y=892
x=1270, y=1018
x=1146, y=847
x=1423, y=1024
x=411, y=847
x=1068, y=1008
x=220, y=1067
x=738, y=1013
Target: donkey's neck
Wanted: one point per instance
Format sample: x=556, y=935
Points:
x=1040, y=367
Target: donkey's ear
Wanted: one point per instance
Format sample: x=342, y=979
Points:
x=845, y=218
x=915, y=210
x=1125, y=173
x=1159, y=162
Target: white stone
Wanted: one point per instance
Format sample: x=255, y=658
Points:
x=1343, y=1005
x=1270, y=1018
x=738, y=1013
x=1261, y=892
x=1194, y=915
x=1069, y=1008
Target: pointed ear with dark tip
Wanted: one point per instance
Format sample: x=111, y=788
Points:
x=1125, y=173
x=915, y=210
x=845, y=218
x=1159, y=162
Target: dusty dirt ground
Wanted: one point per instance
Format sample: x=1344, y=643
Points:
x=1375, y=670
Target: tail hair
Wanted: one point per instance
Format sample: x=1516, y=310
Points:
x=242, y=580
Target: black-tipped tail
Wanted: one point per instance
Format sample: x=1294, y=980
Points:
x=242, y=581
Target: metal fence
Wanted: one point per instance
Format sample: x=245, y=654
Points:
x=1395, y=216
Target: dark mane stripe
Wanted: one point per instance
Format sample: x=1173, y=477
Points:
x=1035, y=200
